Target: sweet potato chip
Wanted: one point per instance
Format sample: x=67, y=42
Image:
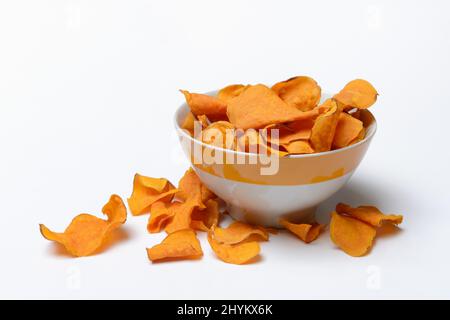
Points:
x=357, y=94
x=301, y=92
x=229, y=92
x=202, y=104
x=182, y=244
x=146, y=191
x=160, y=214
x=190, y=188
x=322, y=133
x=298, y=147
x=351, y=235
x=86, y=233
x=204, y=120
x=219, y=134
x=348, y=129
x=304, y=231
x=188, y=123
x=181, y=213
x=238, y=232
x=369, y=214
x=239, y=253
x=259, y=106
x=204, y=219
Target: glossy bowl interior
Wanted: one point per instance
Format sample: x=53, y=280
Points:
x=261, y=191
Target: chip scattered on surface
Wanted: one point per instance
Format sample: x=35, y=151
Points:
x=238, y=232
x=86, y=233
x=239, y=253
x=306, y=232
x=146, y=191
x=182, y=244
x=369, y=214
x=160, y=214
x=205, y=219
x=353, y=236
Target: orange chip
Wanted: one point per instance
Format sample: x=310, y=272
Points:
x=238, y=232
x=86, y=233
x=188, y=123
x=219, y=134
x=234, y=253
x=182, y=244
x=146, y=191
x=351, y=235
x=348, y=129
x=181, y=213
x=229, y=92
x=259, y=106
x=204, y=120
x=298, y=147
x=306, y=232
x=160, y=215
x=190, y=188
x=357, y=94
x=322, y=133
x=369, y=214
x=204, y=219
x=301, y=92
x=202, y=104
x=360, y=136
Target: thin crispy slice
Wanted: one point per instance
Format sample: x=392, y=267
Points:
x=322, y=133
x=259, y=106
x=238, y=232
x=235, y=254
x=300, y=92
x=298, y=147
x=229, y=92
x=200, y=104
x=358, y=93
x=146, y=191
x=86, y=233
x=348, y=129
x=160, y=216
x=180, y=245
x=204, y=219
x=191, y=188
x=351, y=235
x=369, y=214
x=304, y=231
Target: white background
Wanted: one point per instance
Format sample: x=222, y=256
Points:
x=87, y=94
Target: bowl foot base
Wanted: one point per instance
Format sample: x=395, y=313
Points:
x=303, y=216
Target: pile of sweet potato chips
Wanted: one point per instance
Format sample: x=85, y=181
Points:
x=292, y=106
x=305, y=126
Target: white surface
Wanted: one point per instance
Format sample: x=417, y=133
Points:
x=87, y=92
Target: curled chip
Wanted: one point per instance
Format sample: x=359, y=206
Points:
x=301, y=92
x=357, y=94
x=188, y=123
x=160, y=215
x=259, y=106
x=204, y=219
x=191, y=189
x=204, y=121
x=297, y=130
x=369, y=214
x=348, y=130
x=86, y=233
x=298, y=147
x=238, y=232
x=202, y=104
x=351, y=235
x=229, y=92
x=322, y=133
x=182, y=244
x=239, y=253
x=306, y=232
x=146, y=191
x=219, y=134
x=181, y=213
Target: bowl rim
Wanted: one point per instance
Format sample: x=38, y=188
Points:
x=293, y=156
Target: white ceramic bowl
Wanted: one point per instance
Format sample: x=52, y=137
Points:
x=294, y=191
